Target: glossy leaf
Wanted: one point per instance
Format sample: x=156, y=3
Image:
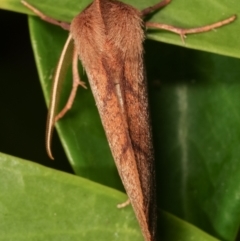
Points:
x=195, y=103
x=180, y=13
x=173, y=228
x=38, y=203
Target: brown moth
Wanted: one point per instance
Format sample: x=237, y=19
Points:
x=108, y=37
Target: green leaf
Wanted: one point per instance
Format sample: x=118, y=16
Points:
x=173, y=228
x=38, y=203
x=195, y=110
x=179, y=13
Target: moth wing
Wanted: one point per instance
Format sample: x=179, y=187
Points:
x=128, y=31
x=60, y=74
x=137, y=112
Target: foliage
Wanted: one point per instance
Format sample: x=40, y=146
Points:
x=194, y=99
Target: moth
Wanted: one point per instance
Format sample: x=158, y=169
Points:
x=107, y=37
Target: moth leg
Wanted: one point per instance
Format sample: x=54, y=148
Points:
x=183, y=31
x=155, y=7
x=123, y=205
x=64, y=25
x=76, y=83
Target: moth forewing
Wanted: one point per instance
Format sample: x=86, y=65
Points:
x=60, y=74
x=140, y=134
x=138, y=121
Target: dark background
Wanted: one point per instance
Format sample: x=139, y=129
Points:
x=22, y=106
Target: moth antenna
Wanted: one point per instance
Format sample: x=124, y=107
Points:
x=58, y=78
